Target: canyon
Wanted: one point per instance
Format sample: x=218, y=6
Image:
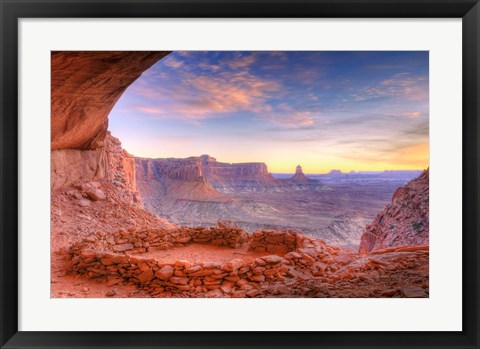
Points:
x=133, y=227
x=201, y=190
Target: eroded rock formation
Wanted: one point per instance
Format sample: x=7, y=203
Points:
x=244, y=177
x=84, y=88
x=299, y=176
x=404, y=222
x=109, y=163
x=85, y=85
x=223, y=177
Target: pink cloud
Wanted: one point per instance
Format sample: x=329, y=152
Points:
x=200, y=97
x=413, y=115
x=286, y=116
x=172, y=62
x=148, y=110
x=242, y=62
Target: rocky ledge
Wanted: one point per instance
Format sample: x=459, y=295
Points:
x=404, y=222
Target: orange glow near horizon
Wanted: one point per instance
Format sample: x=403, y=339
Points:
x=345, y=110
x=414, y=157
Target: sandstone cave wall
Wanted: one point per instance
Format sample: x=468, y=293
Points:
x=69, y=166
x=85, y=85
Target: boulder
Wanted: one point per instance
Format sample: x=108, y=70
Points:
x=96, y=195
x=146, y=276
x=122, y=247
x=165, y=272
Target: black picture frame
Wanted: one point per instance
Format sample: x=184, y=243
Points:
x=12, y=11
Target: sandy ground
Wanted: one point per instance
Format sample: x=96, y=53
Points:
x=206, y=253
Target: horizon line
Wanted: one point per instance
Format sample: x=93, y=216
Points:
x=282, y=172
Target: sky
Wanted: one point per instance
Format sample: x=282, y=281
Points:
x=323, y=110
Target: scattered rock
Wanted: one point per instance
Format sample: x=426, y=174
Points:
x=273, y=259
x=123, y=247
x=165, y=273
x=414, y=292
x=96, y=195
x=83, y=202
x=111, y=293
x=146, y=276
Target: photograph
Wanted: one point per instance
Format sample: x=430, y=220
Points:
x=239, y=174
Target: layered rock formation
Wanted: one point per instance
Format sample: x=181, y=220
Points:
x=226, y=178
x=85, y=85
x=199, y=179
x=177, y=179
x=121, y=171
x=240, y=177
x=404, y=222
x=110, y=163
x=69, y=166
x=84, y=88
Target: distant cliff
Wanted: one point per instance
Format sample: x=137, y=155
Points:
x=404, y=222
x=240, y=177
x=223, y=177
x=189, y=169
x=200, y=190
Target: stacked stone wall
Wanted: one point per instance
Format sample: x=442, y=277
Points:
x=151, y=240
x=118, y=259
x=276, y=241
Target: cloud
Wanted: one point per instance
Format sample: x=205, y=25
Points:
x=190, y=94
x=294, y=120
x=287, y=116
x=413, y=114
x=310, y=103
x=171, y=62
x=148, y=110
x=212, y=67
x=400, y=85
x=242, y=62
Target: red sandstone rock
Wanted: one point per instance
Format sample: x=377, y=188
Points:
x=165, y=272
x=405, y=222
x=122, y=247
x=85, y=87
x=83, y=202
x=111, y=293
x=179, y=280
x=233, y=265
x=193, y=269
x=414, y=292
x=361, y=276
x=96, y=195
x=273, y=259
x=146, y=276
